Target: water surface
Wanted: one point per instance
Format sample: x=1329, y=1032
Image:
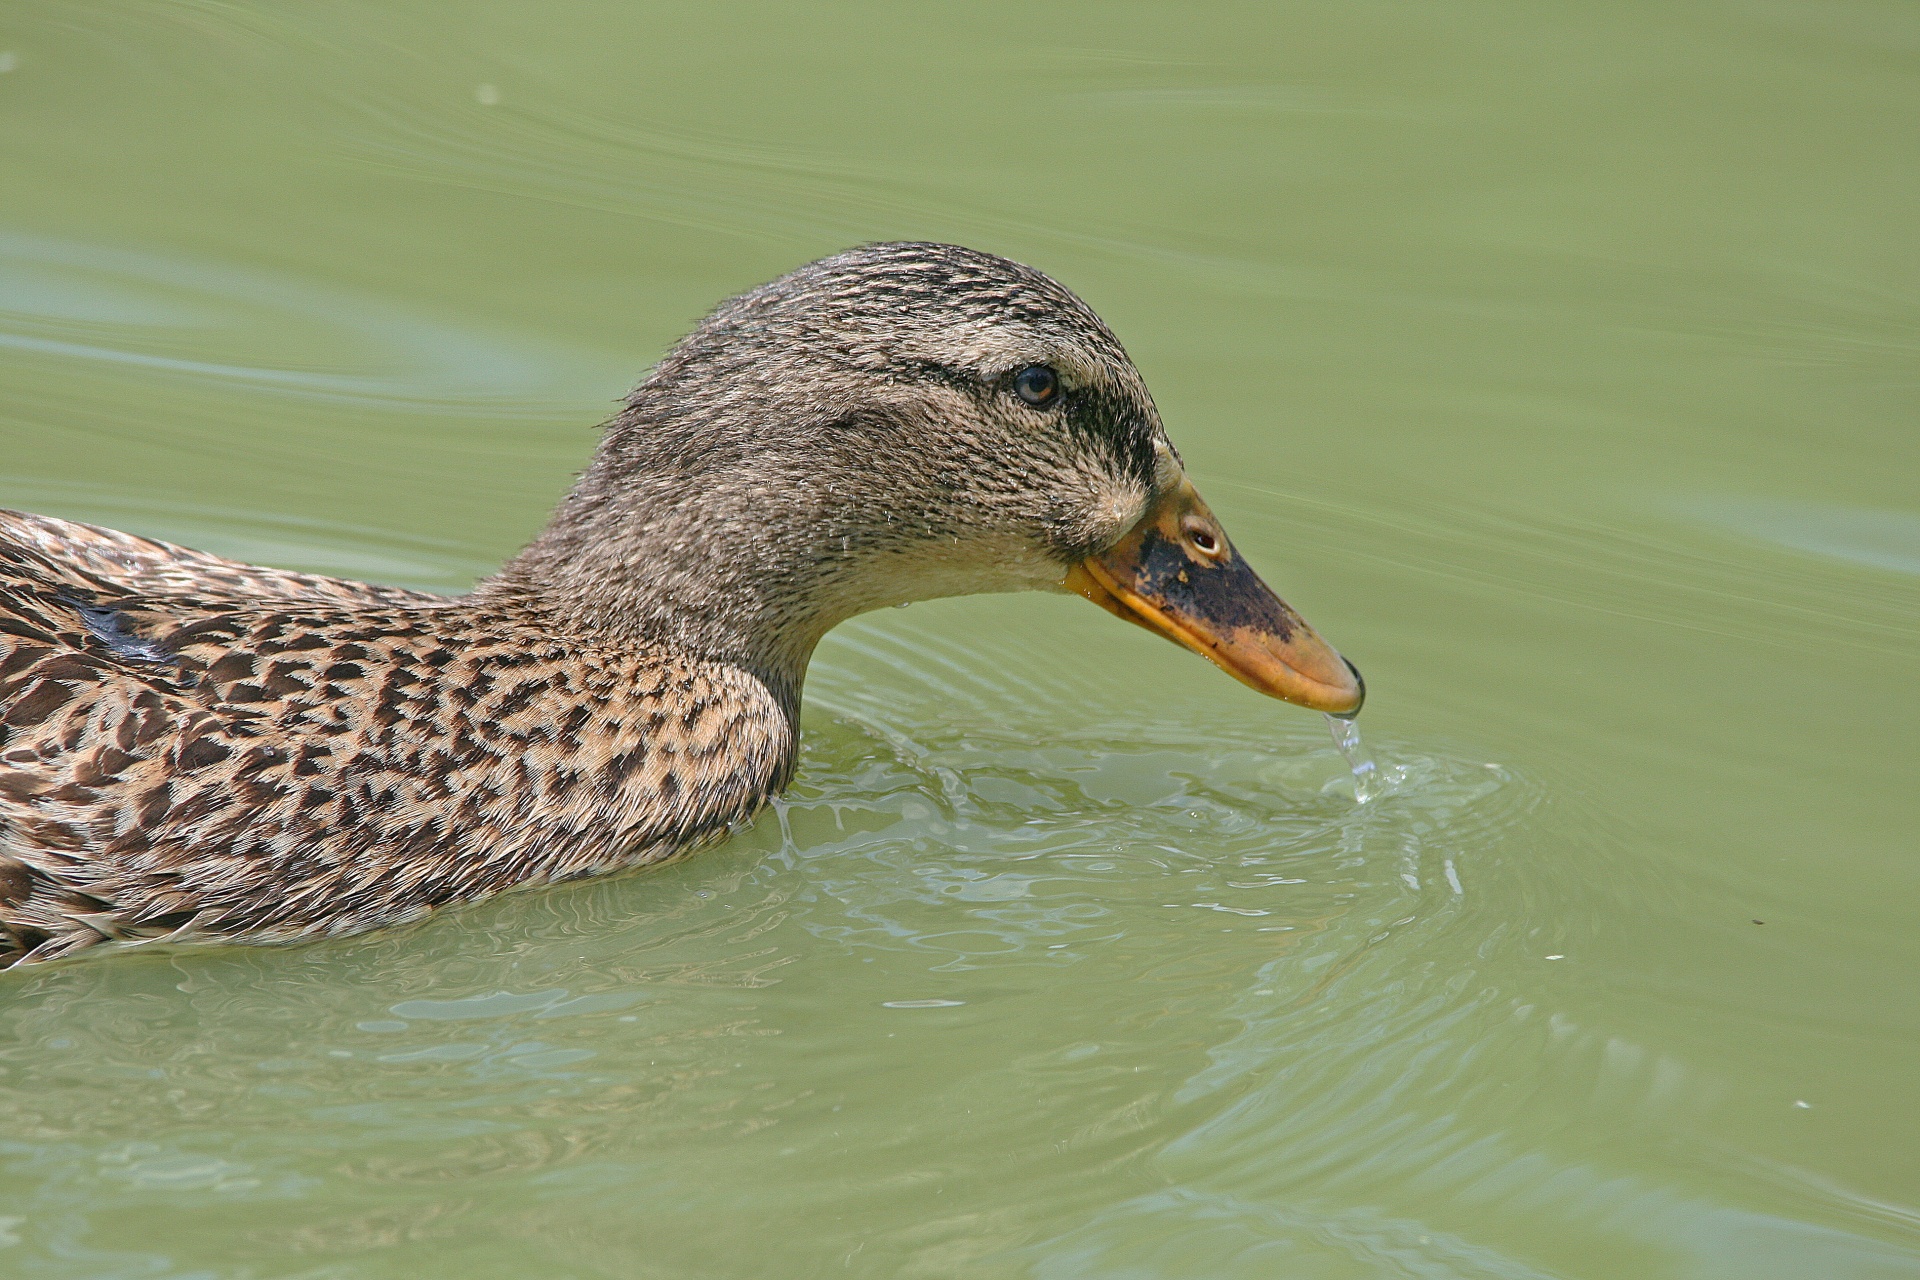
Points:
x=1557, y=361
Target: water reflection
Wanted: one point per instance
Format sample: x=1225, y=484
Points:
x=221, y=323
x=1888, y=540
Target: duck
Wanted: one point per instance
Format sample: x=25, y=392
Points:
x=193, y=749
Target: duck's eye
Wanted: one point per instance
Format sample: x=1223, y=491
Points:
x=1037, y=384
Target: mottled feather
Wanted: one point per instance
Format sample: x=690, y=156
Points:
x=294, y=768
x=196, y=748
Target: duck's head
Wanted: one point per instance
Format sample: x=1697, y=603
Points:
x=896, y=423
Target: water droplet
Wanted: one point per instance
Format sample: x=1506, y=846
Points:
x=487, y=95
x=1346, y=736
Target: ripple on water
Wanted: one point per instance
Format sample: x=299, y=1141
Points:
x=219, y=324
x=1060, y=831
x=1878, y=539
x=918, y=914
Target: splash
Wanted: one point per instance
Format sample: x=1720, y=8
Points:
x=1369, y=782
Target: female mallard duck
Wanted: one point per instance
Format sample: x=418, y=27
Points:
x=194, y=748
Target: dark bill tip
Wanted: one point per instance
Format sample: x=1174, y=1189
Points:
x=1177, y=575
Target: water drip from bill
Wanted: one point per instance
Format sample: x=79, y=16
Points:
x=1369, y=780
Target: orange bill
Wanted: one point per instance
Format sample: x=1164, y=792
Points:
x=1177, y=575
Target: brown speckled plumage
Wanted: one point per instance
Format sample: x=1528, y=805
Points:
x=194, y=748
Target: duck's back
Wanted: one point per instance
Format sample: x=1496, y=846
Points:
x=190, y=746
x=96, y=557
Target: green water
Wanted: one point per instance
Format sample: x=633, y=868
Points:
x=1558, y=361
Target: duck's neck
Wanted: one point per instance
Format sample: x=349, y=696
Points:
x=735, y=533
x=743, y=532
x=706, y=570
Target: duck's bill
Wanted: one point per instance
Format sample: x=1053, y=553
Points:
x=1177, y=575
